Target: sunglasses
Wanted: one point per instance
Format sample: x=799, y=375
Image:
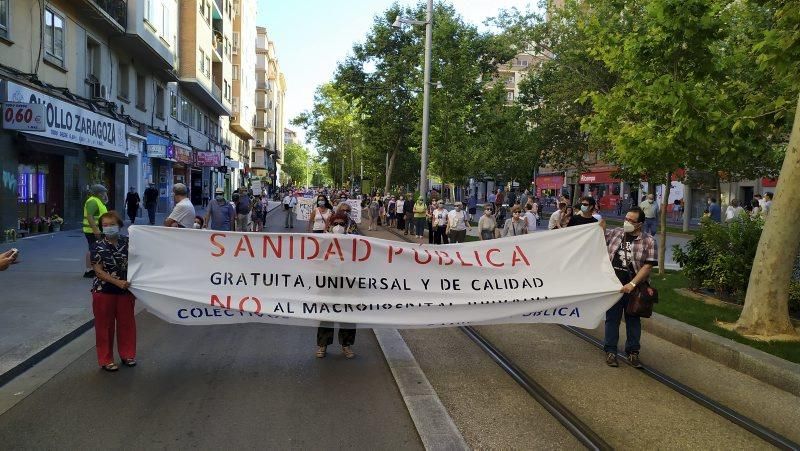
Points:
x=584, y=205
x=338, y=223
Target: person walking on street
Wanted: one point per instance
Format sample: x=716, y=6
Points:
x=650, y=209
x=714, y=210
x=258, y=214
x=733, y=212
x=457, y=224
x=555, y=218
x=112, y=302
x=755, y=209
x=767, y=203
x=183, y=213
x=150, y=202
x=420, y=218
x=472, y=206
x=347, y=335
x=633, y=255
x=401, y=216
x=243, y=209
x=320, y=215
x=439, y=223
x=515, y=225
x=132, y=202
x=487, y=224
x=530, y=218
x=220, y=214
x=289, y=202
x=566, y=217
x=93, y=208
x=408, y=214
x=374, y=211
x=586, y=216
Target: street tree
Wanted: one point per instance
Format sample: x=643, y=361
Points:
x=765, y=311
x=296, y=162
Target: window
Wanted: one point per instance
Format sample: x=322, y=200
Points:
x=4, y=18
x=92, y=60
x=54, y=36
x=202, y=55
x=160, y=102
x=123, y=81
x=510, y=96
x=141, y=92
x=150, y=15
x=208, y=66
x=235, y=42
x=173, y=104
x=235, y=71
x=185, y=111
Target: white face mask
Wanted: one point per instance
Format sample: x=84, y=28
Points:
x=628, y=227
x=196, y=225
x=337, y=229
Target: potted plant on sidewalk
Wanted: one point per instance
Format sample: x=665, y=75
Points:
x=56, y=222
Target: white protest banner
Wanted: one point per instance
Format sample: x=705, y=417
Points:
x=355, y=210
x=188, y=276
x=303, y=208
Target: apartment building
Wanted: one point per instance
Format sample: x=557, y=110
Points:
x=113, y=99
x=268, y=149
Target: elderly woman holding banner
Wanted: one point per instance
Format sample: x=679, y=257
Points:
x=338, y=225
x=112, y=303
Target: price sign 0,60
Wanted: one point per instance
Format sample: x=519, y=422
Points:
x=23, y=116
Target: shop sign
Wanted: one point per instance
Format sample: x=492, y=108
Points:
x=67, y=122
x=160, y=147
x=597, y=177
x=23, y=116
x=208, y=159
x=183, y=155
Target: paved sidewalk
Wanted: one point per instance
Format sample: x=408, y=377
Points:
x=45, y=299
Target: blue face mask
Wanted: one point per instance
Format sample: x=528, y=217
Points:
x=584, y=208
x=111, y=231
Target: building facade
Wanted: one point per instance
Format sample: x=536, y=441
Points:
x=123, y=93
x=268, y=150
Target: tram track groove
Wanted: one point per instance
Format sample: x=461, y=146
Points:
x=743, y=421
x=580, y=430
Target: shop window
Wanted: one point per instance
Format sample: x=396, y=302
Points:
x=54, y=36
x=32, y=184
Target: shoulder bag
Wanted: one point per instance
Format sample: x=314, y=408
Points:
x=641, y=299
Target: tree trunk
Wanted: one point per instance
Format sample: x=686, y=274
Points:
x=389, y=169
x=766, y=306
x=662, y=222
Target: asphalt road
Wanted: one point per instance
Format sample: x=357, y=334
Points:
x=218, y=387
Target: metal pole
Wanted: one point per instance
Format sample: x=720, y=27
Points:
x=426, y=105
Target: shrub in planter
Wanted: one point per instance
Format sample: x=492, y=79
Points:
x=720, y=257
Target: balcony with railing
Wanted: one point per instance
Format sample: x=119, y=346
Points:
x=112, y=13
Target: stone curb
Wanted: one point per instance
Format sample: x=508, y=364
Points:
x=765, y=367
x=434, y=425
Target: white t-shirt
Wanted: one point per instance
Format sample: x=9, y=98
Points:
x=531, y=219
x=555, y=218
x=183, y=213
x=457, y=220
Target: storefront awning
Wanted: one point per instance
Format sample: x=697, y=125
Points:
x=47, y=145
x=598, y=177
x=107, y=155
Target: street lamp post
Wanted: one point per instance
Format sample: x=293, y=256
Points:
x=426, y=94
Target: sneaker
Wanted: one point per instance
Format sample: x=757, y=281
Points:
x=348, y=353
x=633, y=359
x=89, y=274
x=611, y=359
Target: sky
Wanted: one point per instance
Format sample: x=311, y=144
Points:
x=311, y=36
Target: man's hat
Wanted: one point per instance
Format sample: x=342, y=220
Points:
x=219, y=191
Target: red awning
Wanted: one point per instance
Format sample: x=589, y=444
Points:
x=598, y=177
x=769, y=183
x=549, y=181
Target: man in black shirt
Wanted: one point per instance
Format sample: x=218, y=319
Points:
x=150, y=201
x=585, y=216
x=132, y=201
